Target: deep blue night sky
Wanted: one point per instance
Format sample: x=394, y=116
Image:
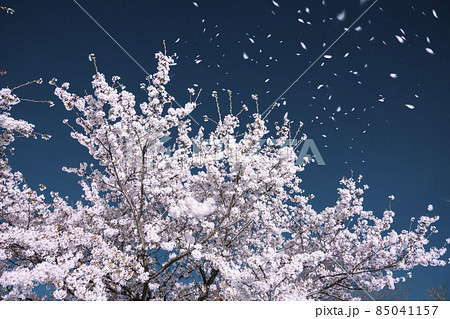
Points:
x=358, y=118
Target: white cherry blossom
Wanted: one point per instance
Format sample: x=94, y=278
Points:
x=227, y=221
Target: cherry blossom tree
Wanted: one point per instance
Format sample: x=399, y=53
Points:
x=219, y=217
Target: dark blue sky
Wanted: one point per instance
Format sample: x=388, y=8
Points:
x=255, y=46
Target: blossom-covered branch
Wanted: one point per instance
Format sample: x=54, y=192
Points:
x=227, y=221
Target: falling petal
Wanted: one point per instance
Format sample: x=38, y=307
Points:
x=245, y=56
x=435, y=14
x=275, y=3
x=341, y=16
x=429, y=50
x=393, y=75
x=195, y=4
x=303, y=45
x=400, y=39
x=409, y=106
x=327, y=56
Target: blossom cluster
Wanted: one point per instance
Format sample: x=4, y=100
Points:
x=228, y=222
